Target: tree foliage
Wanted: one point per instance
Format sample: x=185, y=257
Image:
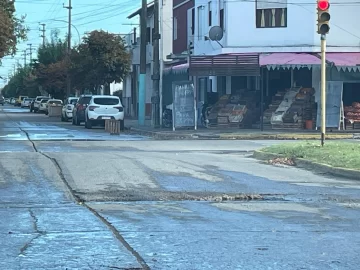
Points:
x=51, y=67
x=100, y=60
x=12, y=29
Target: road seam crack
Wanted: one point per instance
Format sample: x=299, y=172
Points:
x=115, y=232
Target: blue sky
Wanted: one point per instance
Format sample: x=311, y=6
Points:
x=87, y=15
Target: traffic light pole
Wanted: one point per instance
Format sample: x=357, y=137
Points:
x=323, y=88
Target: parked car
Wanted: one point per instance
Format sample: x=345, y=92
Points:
x=42, y=106
x=26, y=102
x=19, y=100
x=37, y=101
x=79, y=109
x=7, y=100
x=2, y=100
x=52, y=102
x=67, y=110
x=104, y=107
x=12, y=101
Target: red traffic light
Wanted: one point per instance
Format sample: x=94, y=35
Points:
x=323, y=4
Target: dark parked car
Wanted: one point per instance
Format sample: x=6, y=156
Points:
x=79, y=109
x=2, y=100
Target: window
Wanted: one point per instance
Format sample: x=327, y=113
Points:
x=175, y=28
x=193, y=21
x=270, y=14
x=271, y=18
x=106, y=101
x=200, y=22
x=148, y=35
x=209, y=10
x=222, y=18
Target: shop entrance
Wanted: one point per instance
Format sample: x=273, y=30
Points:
x=351, y=102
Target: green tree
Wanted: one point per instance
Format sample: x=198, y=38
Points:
x=20, y=84
x=12, y=28
x=99, y=60
x=52, y=66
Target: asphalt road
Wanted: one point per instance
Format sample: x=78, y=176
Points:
x=72, y=198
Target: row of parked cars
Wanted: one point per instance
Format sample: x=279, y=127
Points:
x=90, y=109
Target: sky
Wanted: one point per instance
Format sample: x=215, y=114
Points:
x=87, y=15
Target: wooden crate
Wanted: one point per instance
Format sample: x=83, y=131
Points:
x=112, y=126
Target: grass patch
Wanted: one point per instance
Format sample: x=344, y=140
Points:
x=337, y=154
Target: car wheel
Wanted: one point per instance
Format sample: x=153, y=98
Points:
x=122, y=125
x=46, y=112
x=88, y=124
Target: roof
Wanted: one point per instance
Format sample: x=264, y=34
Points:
x=288, y=60
x=150, y=7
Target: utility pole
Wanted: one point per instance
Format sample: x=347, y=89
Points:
x=24, y=54
x=31, y=50
x=142, y=76
x=161, y=55
x=43, y=33
x=68, y=79
x=156, y=68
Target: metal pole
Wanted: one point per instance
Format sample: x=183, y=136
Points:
x=262, y=99
x=161, y=52
x=156, y=67
x=68, y=79
x=142, y=76
x=323, y=88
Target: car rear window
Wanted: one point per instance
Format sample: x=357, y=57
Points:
x=73, y=101
x=55, y=102
x=106, y=101
x=44, y=100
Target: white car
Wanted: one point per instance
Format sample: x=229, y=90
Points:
x=52, y=102
x=104, y=107
x=67, y=109
x=26, y=102
x=38, y=101
x=42, y=105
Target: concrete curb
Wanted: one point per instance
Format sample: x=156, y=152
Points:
x=312, y=166
x=228, y=136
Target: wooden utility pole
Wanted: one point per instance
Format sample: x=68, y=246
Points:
x=43, y=33
x=155, y=100
x=68, y=79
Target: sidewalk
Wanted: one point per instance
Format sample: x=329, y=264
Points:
x=233, y=133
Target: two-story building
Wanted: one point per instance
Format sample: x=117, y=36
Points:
x=131, y=83
x=284, y=37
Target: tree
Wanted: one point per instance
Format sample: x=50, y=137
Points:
x=51, y=67
x=99, y=60
x=20, y=84
x=12, y=28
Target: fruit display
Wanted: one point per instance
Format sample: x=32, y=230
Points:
x=352, y=113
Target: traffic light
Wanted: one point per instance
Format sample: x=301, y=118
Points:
x=323, y=16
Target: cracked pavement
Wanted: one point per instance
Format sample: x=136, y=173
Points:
x=135, y=203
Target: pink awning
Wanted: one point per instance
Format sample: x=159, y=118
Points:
x=288, y=60
x=344, y=61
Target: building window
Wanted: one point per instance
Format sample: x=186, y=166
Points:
x=200, y=22
x=271, y=18
x=222, y=18
x=148, y=35
x=175, y=28
x=210, y=13
x=193, y=21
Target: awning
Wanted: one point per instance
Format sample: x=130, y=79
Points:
x=344, y=61
x=225, y=65
x=289, y=60
x=177, y=69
